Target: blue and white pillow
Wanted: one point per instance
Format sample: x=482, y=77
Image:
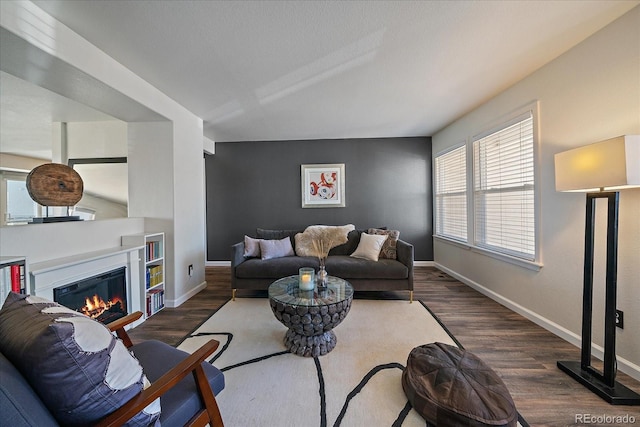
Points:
x=78, y=368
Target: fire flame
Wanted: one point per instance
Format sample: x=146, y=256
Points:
x=95, y=306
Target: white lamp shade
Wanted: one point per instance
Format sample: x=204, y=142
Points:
x=613, y=164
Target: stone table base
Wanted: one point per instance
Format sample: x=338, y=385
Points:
x=311, y=315
x=310, y=331
x=310, y=346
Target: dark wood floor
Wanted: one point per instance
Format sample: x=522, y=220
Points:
x=521, y=352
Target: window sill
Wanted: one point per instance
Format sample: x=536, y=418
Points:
x=529, y=265
x=460, y=244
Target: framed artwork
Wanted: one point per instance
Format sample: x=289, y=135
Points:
x=323, y=186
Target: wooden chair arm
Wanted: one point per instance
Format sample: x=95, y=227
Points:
x=117, y=326
x=124, y=321
x=191, y=364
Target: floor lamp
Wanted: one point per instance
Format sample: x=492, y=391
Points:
x=600, y=170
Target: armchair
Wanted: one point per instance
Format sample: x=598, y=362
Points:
x=168, y=381
x=58, y=367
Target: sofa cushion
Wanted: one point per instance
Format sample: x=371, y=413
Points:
x=78, y=368
x=276, y=268
x=275, y=248
x=389, y=247
x=353, y=238
x=263, y=233
x=182, y=401
x=348, y=267
x=369, y=246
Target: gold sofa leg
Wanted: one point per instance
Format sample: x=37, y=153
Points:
x=410, y=297
x=233, y=294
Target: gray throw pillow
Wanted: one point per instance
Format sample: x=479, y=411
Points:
x=276, y=248
x=251, y=247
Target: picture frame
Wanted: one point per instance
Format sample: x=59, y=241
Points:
x=323, y=185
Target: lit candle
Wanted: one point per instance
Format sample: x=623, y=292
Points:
x=306, y=279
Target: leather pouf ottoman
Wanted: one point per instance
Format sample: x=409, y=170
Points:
x=453, y=387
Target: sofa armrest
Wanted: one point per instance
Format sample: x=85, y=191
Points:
x=237, y=258
x=237, y=254
x=404, y=252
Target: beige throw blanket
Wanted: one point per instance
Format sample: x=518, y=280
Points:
x=325, y=236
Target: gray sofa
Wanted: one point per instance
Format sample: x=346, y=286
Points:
x=363, y=274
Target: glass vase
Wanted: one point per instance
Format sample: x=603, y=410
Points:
x=322, y=276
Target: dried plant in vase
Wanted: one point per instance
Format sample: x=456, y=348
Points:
x=321, y=248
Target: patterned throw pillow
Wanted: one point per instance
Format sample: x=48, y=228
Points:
x=388, y=250
x=78, y=368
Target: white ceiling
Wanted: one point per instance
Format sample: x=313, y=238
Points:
x=280, y=70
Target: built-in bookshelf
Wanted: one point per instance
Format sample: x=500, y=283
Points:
x=13, y=276
x=154, y=272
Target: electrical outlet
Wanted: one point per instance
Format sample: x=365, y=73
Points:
x=620, y=319
x=190, y=270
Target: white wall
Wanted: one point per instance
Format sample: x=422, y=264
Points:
x=589, y=94
x=184, y=168
x=43, y=242
x=99, y=139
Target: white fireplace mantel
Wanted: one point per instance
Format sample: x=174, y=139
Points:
x=47, y=275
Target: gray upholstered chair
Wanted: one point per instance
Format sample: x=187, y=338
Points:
x=32, y=333
x=185, y=399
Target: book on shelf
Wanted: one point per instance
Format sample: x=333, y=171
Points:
x=154, y=276
x=155, y=301
x=154, y=250
x=15, y=278
x=12, y=279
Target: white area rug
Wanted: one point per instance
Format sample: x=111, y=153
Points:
x=357, y=384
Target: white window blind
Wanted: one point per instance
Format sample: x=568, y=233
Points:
x=451, y=194
x=503, y=188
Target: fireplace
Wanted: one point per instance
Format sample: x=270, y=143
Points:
x=102, y=297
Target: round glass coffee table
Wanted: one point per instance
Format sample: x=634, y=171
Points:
x=310, y=315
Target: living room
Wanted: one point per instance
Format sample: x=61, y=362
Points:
x=587, y=94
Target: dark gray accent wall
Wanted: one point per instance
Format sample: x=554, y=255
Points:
x=257, y=184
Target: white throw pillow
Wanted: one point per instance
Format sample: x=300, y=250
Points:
x=276, y=248
x=369, y=246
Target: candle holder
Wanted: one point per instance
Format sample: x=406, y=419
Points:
x=306, y=279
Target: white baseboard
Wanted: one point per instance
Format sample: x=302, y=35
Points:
x=177, y=302
x=217, y=263
x=424, y=264
x=624, y=365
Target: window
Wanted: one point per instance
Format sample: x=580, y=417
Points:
x=451, y=194
x=17, y=206
x=503, y=189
